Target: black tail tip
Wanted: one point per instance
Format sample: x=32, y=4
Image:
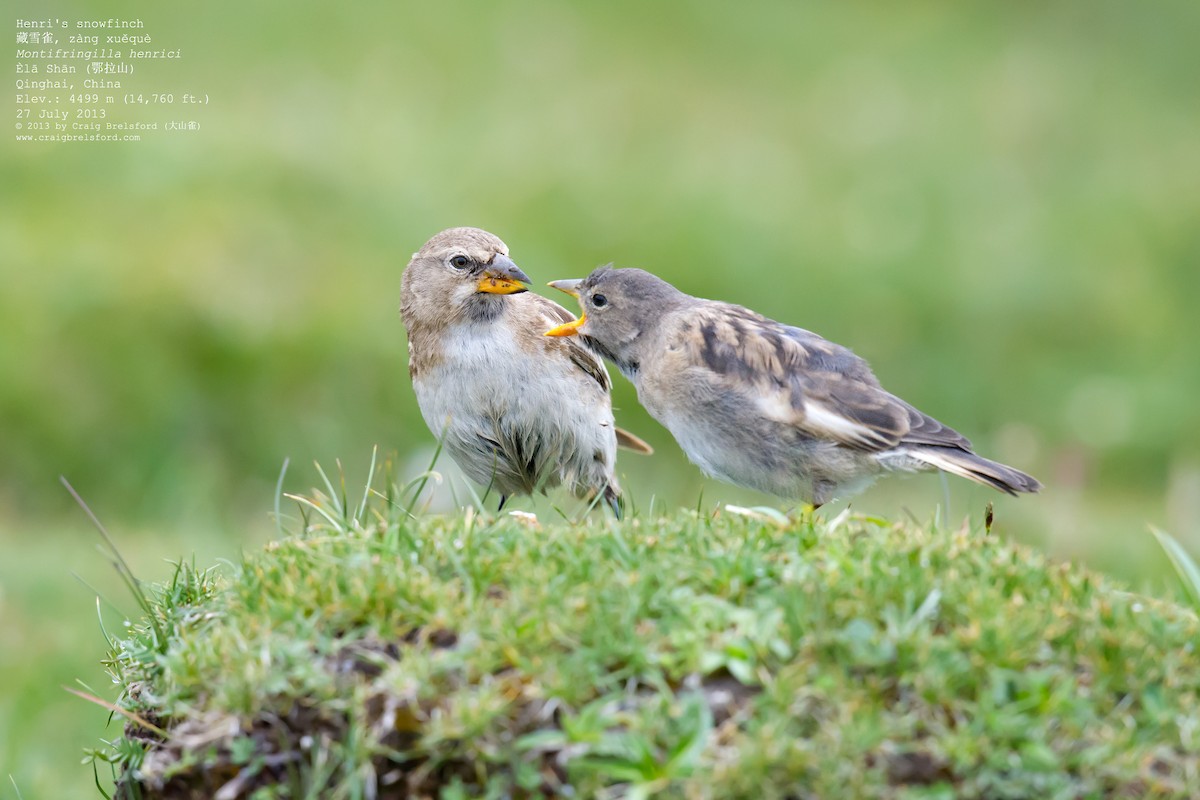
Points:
x=1019, y=482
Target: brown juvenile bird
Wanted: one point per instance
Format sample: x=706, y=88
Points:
x=761, y=404
x=514, y=409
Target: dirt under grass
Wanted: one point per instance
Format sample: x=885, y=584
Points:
x=376, y=655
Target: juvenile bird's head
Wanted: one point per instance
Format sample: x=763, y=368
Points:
x=622, y=309
x=459, y=273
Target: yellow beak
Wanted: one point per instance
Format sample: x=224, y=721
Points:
x=495, y=284
x=571, y=328
x=567, y=328
x=502, y=276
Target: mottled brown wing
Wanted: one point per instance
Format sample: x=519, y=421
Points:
x=924, y=429
x=799, y=378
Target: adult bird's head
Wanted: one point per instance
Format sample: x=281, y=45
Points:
x=460, y=272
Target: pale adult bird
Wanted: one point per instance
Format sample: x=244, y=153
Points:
x=515, y=410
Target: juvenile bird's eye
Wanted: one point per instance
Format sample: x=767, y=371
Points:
x=460, y=262
x=599, y=300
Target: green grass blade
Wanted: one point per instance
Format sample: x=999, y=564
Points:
x=423, y=478
x=360, y=513
x=120, y=564
x=333, y=494
x=304, y=501
x=1185, y=566
x=279, y=498
x=99, y=597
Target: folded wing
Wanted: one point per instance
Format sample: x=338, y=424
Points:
x=799, y=378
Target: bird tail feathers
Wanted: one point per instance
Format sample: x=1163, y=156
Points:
x=976, y=468
x=627, y=441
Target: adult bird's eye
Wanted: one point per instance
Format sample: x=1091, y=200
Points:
x=599, y=300
x=460, y=262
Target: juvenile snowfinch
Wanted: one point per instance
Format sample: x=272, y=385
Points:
x=761, y=404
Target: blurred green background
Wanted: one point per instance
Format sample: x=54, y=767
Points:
x=996, y=204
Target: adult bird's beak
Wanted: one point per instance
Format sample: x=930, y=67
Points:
x=571, y=328
x=502, y=276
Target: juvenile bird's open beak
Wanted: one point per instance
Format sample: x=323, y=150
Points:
x=571, y=287
x=571, y=328
x=567, y=328
x=502, y=276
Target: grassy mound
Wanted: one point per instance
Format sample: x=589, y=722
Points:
x=376, y=655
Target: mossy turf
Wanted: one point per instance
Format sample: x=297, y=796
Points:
x=377, y=655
